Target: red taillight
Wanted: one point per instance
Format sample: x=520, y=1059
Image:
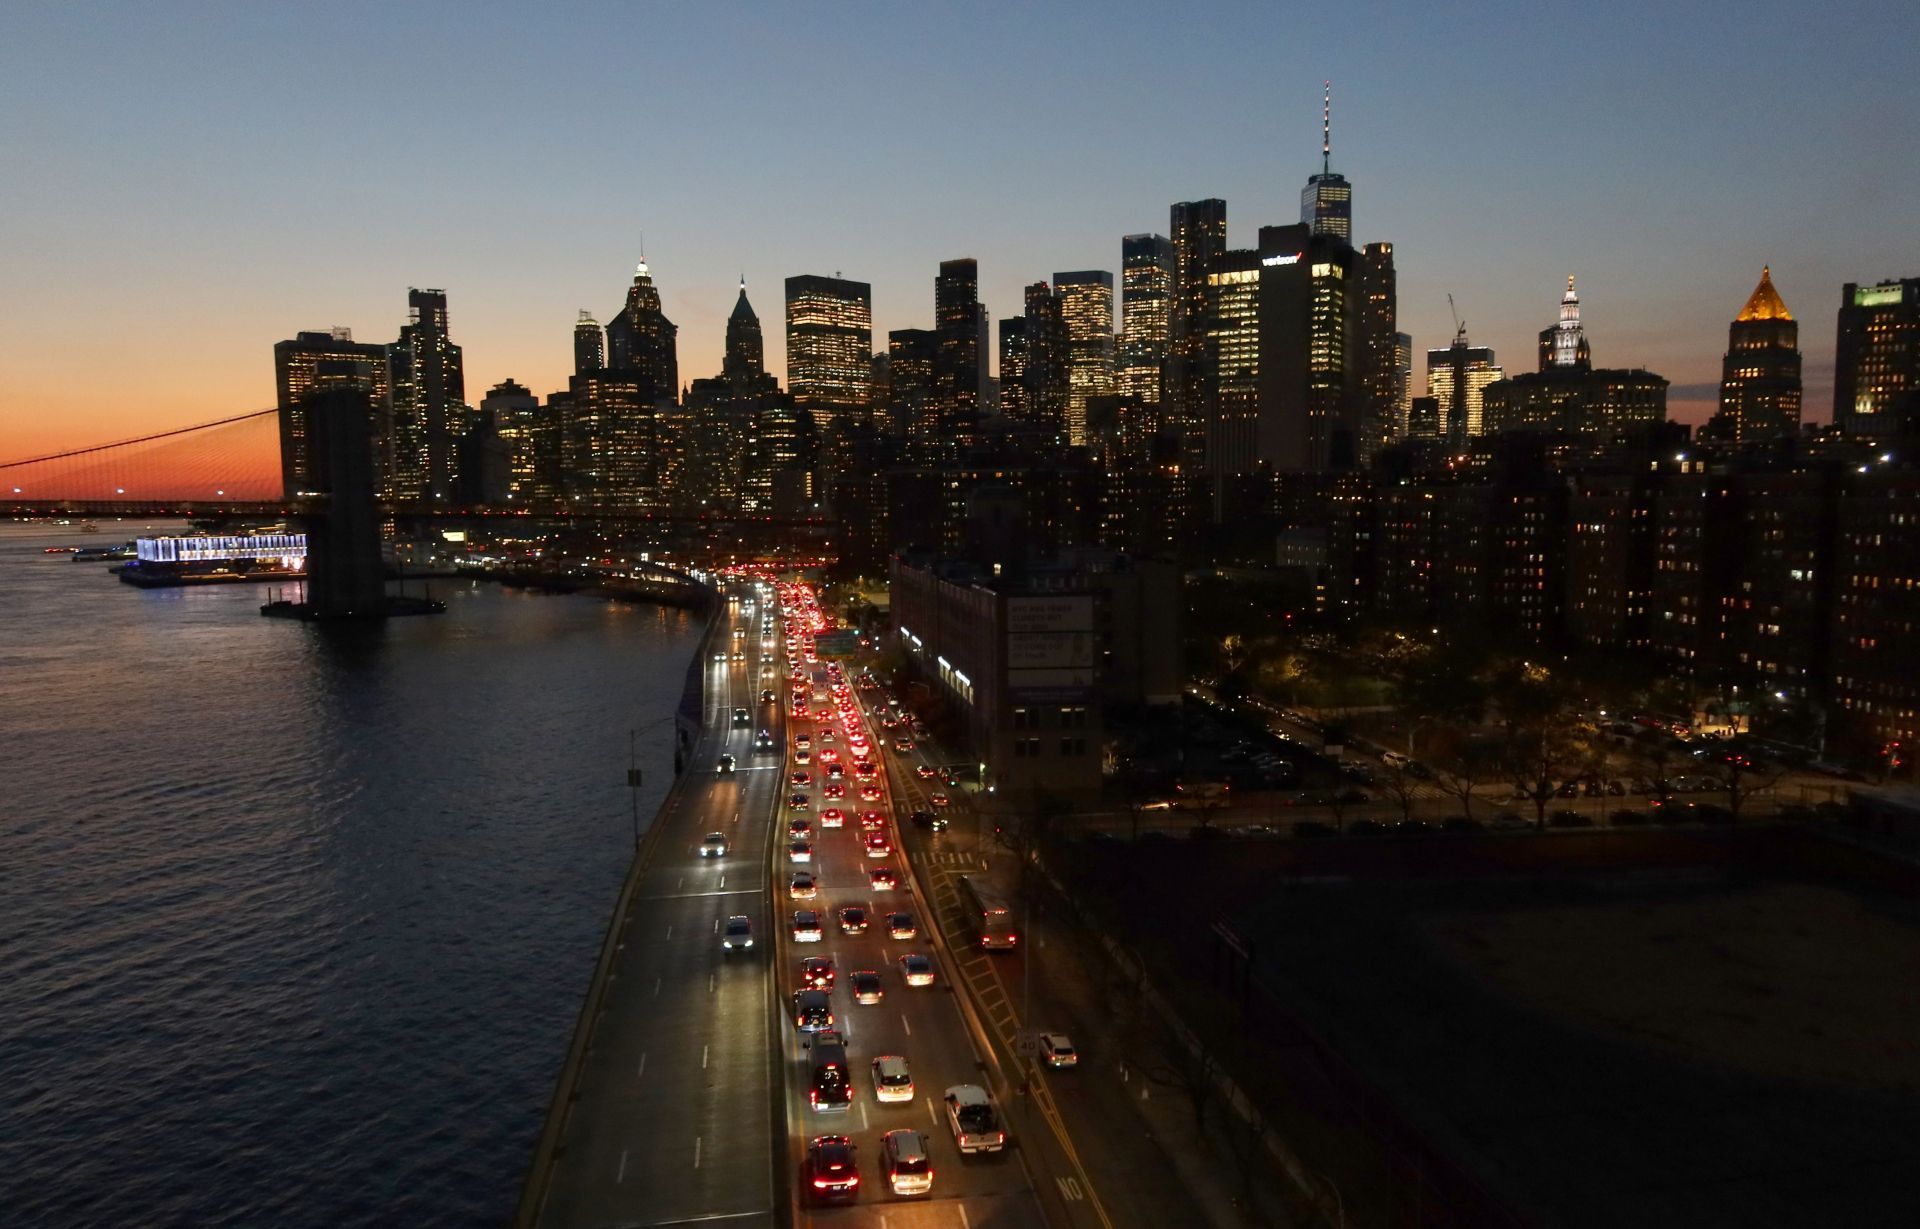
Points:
x=820, y=1184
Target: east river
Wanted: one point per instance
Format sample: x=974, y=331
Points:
x=295, y=922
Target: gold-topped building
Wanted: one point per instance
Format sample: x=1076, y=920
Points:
x=1760, y=375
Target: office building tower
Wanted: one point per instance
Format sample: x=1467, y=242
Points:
x=1564, y=343
x=746, y=356
x=1876, y=377
x=531, y=434
x=1015, y=401
x=956, y=324
x=913, y=357
x=1198, y=232
x=1232, y=419
x=1146, y=306
x=1309, y=350
x=1049, y=360
x=589, y=344
x=312, y=360
x=610, y=440
x=1326, y=203
x=1382, y=384
x=1086, y=305
x=830, y=346
x=644, y=343
x=1403, y=369
x=1457, y=378
x=429, y=401
x=1760, y=375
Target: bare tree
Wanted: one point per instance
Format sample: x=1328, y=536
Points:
x=1742, y=778
x=1400, y=785
x=1459, y=765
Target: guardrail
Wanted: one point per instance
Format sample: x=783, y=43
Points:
x=566, y=1091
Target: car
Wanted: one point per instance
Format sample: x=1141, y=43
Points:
x=1509, y=821
x=939, y=800
x=829, y=756
x=801, y=779
x=976, y=1127
x=883, y=878
x=802, y=741
x=800, y=826
x=878, y=846
x=906, y=1162
x=1568, y=819
x=826, y=734
x=801, y=756
x=1625, y=818
x=1412, y=827
x=833, y=817
x=1157, y=804
x=763, y=741
x=737, y=934
x=803, y=886
x=900, y=925
x=853, y=919
x=1056, y=1050
x=836, y=772
x=1461, y=824
x=725, y=763
x=766, y=695
x=834, y=790
x=916, y=969
x=866, y=987
x=742, y=718
x=800, y=851
x=873, y=821
x=812, y=1010
x=903, y=745
x=892, y=1079
x=1312, y=828
x=927, y=819
x=806, y=926
x=799, y=802
x=831, y=1176
x=817, y=973
x=871, y=793
x=720, y=656
x=714, y=845
x=863, y=769
x=738, y=655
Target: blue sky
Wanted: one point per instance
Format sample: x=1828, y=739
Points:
x=193, y=183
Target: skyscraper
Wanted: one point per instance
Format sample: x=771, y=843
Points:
x=1760, y=375
x=1382, y=387
x=1232, y=421
x=1199, y=236
x=1048, y=359
x=1016, y=402
x=310, y=361
x=1876, y=377
x=589, y=344
x=642, y=341
x=1564, y=343
x=746, y=355
x=956, y=324
x=829, y=346
x=1309, y=349
x=1086, y=305
x=1456, y=378
x=609, y=440
x=1146, y=305
x=429, y=394
x=1326, y=203
x=913, y=356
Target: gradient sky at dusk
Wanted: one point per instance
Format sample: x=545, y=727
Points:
x=185, y=185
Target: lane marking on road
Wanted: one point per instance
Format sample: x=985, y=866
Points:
x=863, y=1115
x=691, y=895
x=622, y=1175
x=716, y=926
x=703, y=1058
x=641, y=1073
x=1069, y=1188
x=964, y=1222
x=712, y=978
x=905, y=1025
x=696, y=1152
x=723, y=881
x=656, y=987
x=680, y=883
x=669, y=930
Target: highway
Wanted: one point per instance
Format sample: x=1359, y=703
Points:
x=673, y=1122
x=923, y=1025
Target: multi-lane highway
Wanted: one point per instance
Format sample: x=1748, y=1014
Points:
x=672, y=1124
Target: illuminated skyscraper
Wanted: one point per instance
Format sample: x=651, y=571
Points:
x=956, y=323
x=913, y=355
x=1382, y=386
x=1015, y=401
x=829, y=346
x=1760, y=375
x=1232, y=423
x=1146, y=305
x=1310, y=386
x=642, y=341
x=1199, y=237
x=1876, y=378
x=429, y=395
x=1326, y=203
x=746, y=354
x=1086, y=304
x=1456, y=378
x=589, y=344
x=1567, y=395
x=1049, y=359
x=313, y=360
x=1564, y=343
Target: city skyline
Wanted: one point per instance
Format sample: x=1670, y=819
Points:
x=128, y=219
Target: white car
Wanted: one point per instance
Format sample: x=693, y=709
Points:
x=905, y=1160
x=976, y=1127
x=806, y=926
x=917, y=969
x=737, y=934
x=714, y=846
x=892, y=1080
x=803, y=886
x=1056, y=1049
x=800, y=851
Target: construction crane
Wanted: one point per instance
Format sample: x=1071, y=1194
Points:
x=1459, y=325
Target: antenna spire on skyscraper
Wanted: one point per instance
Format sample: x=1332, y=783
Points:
x=1326, y=128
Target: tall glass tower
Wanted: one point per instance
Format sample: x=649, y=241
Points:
x=1326, y=203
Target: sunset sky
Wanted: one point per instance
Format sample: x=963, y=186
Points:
x=187, y=184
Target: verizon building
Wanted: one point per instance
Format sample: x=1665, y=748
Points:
x=1033, y=658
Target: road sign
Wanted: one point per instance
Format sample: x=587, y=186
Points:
x=1026, y=1044
x=836, y=644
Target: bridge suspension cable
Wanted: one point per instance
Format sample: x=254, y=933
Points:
x=143, y=439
